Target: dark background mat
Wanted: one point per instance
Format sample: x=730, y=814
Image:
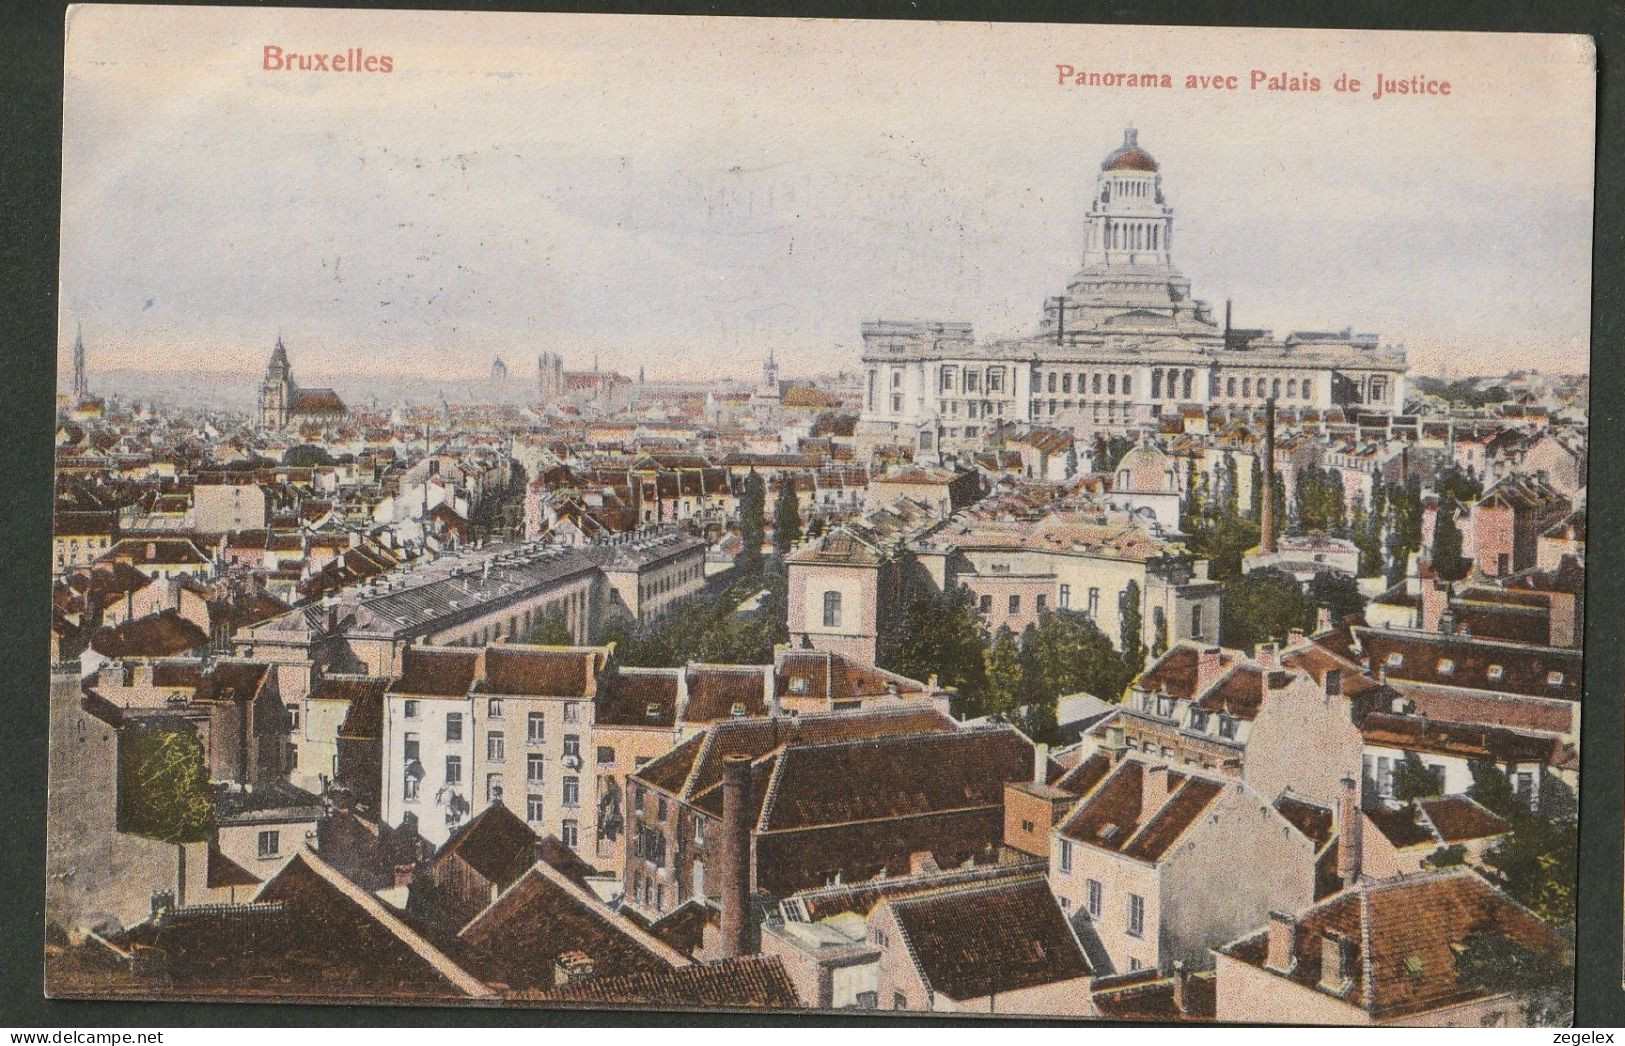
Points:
x=30, y=186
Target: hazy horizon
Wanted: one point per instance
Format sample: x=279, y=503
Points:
x=686, y=194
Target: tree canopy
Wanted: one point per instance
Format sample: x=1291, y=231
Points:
x=1262, y=605
x=786, y=519
x=164, y=786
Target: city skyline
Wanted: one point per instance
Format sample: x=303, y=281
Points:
x=688, y=232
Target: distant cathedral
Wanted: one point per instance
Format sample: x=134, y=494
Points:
x=284, y=405
x=499, y=370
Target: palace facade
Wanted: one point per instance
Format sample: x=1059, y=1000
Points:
x=1124, y=346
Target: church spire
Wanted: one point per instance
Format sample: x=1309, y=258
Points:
x=81, y=386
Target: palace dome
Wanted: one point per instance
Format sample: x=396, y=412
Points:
x=1129, y=157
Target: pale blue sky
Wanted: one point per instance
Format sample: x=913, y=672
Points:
x=684, y=193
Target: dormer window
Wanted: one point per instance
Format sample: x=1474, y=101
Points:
x=1396, y=659
x=1165, y=706
x=738, y=709
x=1496, y=673
x=1227, y=727
x=1554, y=679
x=1446, y=666
x=798, y=685
x=1200, y=720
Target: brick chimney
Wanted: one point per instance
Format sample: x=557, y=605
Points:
x=1348, y=828
x=1281, y=955
x=1182, y=986
x=1335, y=967
x=1266, y=514
x=1040, y=763
x=735, y=857
x=1268, y=654
x=1153, y=788
x=1116, y=743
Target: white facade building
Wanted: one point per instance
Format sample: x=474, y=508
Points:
x=1125, y=345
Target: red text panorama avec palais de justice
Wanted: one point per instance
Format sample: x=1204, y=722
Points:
x=1381, y=85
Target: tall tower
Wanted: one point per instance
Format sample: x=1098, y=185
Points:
x=550, y=376
x=81, y=386
x=1129, y=225
x=276, y=391
x=770, y=374
x=1128, y=265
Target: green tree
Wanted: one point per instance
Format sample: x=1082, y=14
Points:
x=786, y=518
x=940, y=634
x=752, y=523
x=1003, y=670
x=164, y=785
x=551, y=630
x=1458, y=485
x=1255, y=491
x=1320, y=505
x=1338, y=594
x=1448, y=561
x=1413, y=780
x=1131, y=628
x=1498, y=964
x=1536, y=862
x=1159, y=632
x=1068, y=653
x=1262, y=605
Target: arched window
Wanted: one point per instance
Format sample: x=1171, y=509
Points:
x=1127, y=389
x=1052, y=381
x=1246, y=387
x=1189, y=375
x=832, y=610
x=1230, y=386
x=1275, y=388
x=1292, y=388
x=1156, y=384
x=1111, y=384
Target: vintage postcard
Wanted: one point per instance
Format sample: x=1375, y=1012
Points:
x=728, y=513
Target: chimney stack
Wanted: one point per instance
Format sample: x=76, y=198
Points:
x=1266, y=515
x=1348, y=828
x=1281, y=955
x=735, y=937
x=1040, y=763
x=1182, y=985
x=1335, y=974
x=1116, y=742
x=1153, y=789
x=1268, y=654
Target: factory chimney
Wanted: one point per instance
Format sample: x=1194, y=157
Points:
x=735, y=938
x=1266, y=515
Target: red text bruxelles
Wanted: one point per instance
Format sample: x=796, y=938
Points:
x=351, y=60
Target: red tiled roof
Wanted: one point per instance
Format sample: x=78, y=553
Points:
x=1456, y=819
x=164, y=634
x=516, y=942
x=749, y=981
x=495, y=844
x=540, y=673
x=436, y=673
x=884, y=778
x=1403, y=934
x=969, y=943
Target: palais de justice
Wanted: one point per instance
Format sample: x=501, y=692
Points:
x=1123, y=346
